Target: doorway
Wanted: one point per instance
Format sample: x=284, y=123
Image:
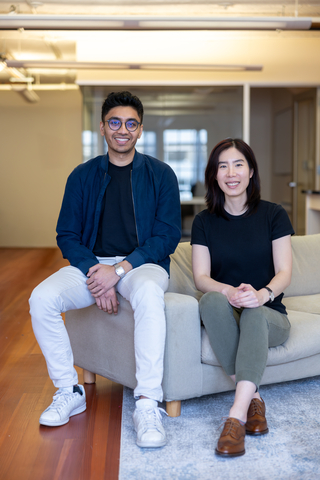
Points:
x=304, y=159
x=283, y=136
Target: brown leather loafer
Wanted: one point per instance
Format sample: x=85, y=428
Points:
x=256, y=420
x=231, y=441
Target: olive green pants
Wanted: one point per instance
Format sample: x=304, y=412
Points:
x=240, y=337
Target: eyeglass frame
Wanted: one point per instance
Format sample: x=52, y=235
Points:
x=121, y=123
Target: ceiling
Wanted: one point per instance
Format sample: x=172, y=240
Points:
x=65, y=43
x=307, y=8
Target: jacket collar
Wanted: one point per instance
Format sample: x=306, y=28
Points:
x=137, y=160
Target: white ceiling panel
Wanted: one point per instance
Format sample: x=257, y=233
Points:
x=141, y=56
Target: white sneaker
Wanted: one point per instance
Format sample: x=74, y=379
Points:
x=66, y=402
x=147, y=423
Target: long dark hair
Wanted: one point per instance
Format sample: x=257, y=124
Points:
x=215, y=197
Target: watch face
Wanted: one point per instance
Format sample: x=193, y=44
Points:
x=120, y=271
x=271, y=294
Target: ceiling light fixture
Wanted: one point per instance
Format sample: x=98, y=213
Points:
x=29, y=64
x=148, y=22
x=41, y=87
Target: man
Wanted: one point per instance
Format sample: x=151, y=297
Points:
x=118, y=224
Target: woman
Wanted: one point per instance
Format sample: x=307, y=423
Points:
x=242, y=262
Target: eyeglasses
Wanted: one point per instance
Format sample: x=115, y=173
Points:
x=116, y=124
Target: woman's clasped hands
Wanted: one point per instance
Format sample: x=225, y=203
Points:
x=245, y=296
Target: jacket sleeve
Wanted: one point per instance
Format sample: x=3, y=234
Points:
x=166, y=227
x=70, y=226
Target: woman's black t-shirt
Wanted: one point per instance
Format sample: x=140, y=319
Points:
x=241, y=247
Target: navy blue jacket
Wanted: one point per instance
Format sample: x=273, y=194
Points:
x=156, y=204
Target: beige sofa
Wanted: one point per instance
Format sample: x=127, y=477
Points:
x=103, y=343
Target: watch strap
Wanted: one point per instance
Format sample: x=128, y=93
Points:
x=120, y=271
x=271, y=294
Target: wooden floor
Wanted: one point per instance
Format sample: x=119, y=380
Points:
x=87, y=448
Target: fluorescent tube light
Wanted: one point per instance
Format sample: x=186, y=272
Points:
x=148, y=22
x=40, y=87
x=29, y=64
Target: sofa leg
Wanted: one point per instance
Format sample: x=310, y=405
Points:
x=174, y=408
x=88, y=377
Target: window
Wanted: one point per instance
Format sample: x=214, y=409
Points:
x=89, y=145
x=147, y=144
x=186, y=152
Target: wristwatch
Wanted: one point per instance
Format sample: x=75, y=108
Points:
x=119, y=270
x=271, y=294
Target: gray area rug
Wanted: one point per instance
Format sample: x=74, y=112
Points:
x=290, y=451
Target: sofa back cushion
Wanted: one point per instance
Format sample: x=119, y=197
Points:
x=181, y=278
x=305, y=267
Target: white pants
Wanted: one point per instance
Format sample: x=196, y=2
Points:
x=66, y=289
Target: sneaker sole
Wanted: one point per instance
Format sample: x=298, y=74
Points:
x=78, y=410
x=151, y=445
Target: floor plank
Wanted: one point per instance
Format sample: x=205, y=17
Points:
x=88, y=447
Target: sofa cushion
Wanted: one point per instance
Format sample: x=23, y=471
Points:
x=303, y=341
x=181, y=277
x=305, y=266
x=304, y=303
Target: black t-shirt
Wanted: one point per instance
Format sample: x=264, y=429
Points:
x=241, y=247
x=117, y=233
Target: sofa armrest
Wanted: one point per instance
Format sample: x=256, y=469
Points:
x=182, y=361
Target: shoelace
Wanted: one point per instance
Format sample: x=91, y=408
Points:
x=61, y=399
x=255, y=407
x=223, y=421
x=231, y=428
x=151, y=416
